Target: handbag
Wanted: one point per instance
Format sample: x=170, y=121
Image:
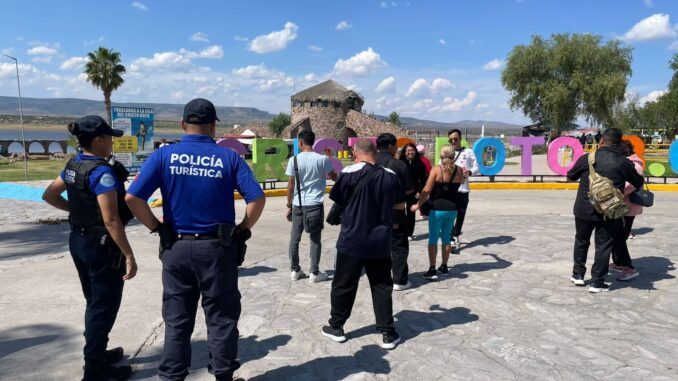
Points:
x=642, y=197
x=337, y=210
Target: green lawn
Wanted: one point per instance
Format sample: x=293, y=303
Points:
x=665, y=162
x=37, y=170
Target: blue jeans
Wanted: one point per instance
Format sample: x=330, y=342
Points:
x=440, y=224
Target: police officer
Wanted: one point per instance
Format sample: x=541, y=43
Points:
x=198, y=237
x=98, y=215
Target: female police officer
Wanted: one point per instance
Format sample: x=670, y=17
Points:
x=97, y=214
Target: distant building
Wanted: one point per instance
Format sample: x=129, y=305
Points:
x=333, y=111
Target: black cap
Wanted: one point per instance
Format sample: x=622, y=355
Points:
x=200, y=111
x=93, y=126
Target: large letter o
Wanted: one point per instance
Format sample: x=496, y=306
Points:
x=552, y=155
x=500, y=156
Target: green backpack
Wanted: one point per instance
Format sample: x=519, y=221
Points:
x=604, y=196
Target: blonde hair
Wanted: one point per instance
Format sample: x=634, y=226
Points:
x=447, y=157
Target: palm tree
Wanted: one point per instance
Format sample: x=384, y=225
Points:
x=104, y=71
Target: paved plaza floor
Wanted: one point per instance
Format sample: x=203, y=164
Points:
x=507, y=311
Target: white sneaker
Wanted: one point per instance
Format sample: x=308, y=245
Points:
x=402, y=287
x=410, y=238
x=321, y=277
x=457, y=243
x=296, y=275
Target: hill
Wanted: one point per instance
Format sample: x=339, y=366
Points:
x=61, y=110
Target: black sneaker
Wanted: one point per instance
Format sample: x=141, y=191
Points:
x=431, y=274
x=114, y=355
x=390, y=339
x=443, y=269
x=109, y=373
x=577, y=279
x=336, y=334
x=598, y=287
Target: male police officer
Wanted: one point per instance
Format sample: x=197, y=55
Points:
x=197, y=179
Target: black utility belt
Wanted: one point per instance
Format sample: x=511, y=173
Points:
x=197, y=236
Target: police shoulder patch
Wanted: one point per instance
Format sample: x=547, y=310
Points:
x=107, y=180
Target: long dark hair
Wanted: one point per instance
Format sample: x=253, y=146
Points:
x=403, y=157
x=85, y=141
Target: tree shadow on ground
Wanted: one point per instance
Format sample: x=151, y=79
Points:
x=488, y=241
x=642, y=231
x=249, y=349
x=369, y=359
x=34, y=240
x=460, y=270
x=29, y=351
x=652, y=269
x=256, y=270
x=411, y=324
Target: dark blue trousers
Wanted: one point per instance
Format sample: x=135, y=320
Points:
x=191, y=269
x=102, y=286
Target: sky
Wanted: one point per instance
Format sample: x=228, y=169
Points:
x=435, y=60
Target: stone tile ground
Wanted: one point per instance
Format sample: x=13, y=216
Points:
x=506, y=311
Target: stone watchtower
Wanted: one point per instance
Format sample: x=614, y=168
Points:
x=324, y=108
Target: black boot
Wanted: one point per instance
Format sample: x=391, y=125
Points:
x=114, y=355
x=103, y=372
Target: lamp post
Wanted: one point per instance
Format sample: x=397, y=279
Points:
x=21, y=117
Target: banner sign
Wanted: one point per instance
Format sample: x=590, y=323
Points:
x=136, y=145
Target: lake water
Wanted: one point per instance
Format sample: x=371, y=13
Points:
x=54, y=135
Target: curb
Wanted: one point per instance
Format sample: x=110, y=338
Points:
x=501, y=186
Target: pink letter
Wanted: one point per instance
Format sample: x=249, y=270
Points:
x=552, y=155
x=320, y=146
x=526, y=143
x=351, y=141
x=233, y=144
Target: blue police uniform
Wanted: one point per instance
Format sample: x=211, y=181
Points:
x=98, y=261
x=197, y=179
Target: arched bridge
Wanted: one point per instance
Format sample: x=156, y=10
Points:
x=44, y=143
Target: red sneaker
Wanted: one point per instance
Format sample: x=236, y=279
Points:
x=627, y=274
x=614, y=267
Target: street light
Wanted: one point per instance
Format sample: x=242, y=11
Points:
x=21, y=117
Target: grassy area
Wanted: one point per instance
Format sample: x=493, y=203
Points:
x=669, y=171
x=37, y=170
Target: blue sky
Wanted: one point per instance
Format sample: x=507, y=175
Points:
x=438, y=60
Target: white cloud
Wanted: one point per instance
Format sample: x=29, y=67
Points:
x=495, y=64
x=454, y=104
x=214, y=51
x=42, y=59
x=362, y=64
x=343, y=25
x=240, y=38
x=652, y=96
x=654, y=27
x=422, y=104
x=315, y=48
x=673, y=46
x=139, y=6
x=43, y=50
x=440, y=84
x=252, y=71
x=274, y=41
x=481, y=106
x=648, y=3
x=388, y=4
x=200, y=36
x=442, y=42
x=421, y=87
x=161, y=60
x=310, y=77
x=73, y=63
x=387, y=85
x=172, y=60
x=92, y=42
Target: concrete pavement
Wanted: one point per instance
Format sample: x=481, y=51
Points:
x=506, y=312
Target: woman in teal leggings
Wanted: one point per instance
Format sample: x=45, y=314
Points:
x=441, y=188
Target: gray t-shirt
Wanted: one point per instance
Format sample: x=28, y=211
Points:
x=313, y=168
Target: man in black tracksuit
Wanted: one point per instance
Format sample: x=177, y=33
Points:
x=400, y=247
x=611, y=164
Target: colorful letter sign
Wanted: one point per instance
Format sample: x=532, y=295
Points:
x=526, y=143
x=499, y=155
x=552, y=155
x=273, y=159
